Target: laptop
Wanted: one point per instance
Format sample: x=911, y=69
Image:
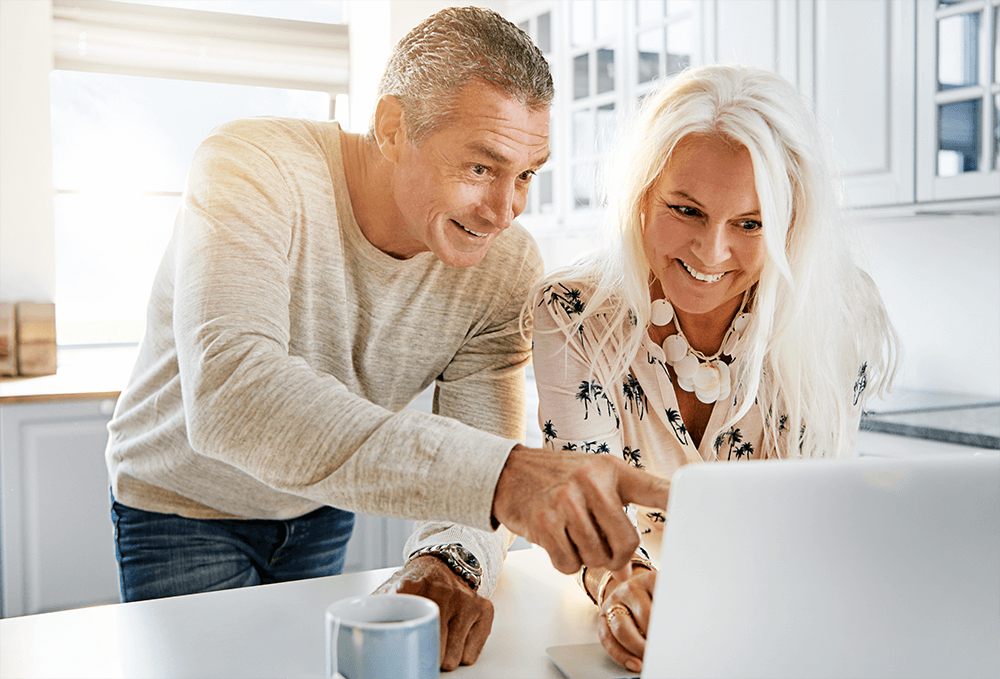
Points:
x=870, y=567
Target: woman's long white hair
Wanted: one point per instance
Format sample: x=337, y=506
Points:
x=817, y=318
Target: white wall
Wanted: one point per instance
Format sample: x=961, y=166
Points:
x=27, y=223
x=940, y=279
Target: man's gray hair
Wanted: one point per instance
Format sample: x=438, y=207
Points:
x=432, y=63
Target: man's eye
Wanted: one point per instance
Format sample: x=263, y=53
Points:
x=479, y=169
x=527, y=175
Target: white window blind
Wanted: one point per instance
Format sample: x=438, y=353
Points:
x=133, y=39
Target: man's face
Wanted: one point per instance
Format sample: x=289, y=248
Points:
x=466, y=182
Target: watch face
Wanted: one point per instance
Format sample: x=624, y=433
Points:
x=467, y=557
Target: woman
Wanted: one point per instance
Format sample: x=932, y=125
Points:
x=725, y=320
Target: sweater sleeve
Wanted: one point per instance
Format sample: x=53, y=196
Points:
x=251, y=405
x=483, y=386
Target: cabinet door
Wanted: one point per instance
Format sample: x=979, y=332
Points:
x=864, y=52
x=958, y=100
x=58, y=539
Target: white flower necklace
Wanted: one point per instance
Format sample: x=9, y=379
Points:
x=707, y=376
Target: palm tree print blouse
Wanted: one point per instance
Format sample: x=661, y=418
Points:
x=636, y=417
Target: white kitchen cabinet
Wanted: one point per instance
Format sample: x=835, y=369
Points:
x=958, y=100
x=863, y=61
x=56, y=537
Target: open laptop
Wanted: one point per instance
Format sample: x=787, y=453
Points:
x=868, y=567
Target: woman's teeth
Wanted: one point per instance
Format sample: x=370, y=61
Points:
x=701, y=276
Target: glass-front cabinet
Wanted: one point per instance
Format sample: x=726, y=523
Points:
x=958, y=96
x=908, y=90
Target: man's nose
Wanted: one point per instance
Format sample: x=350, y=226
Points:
x=499, y=204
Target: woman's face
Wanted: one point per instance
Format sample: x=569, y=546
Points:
x=702, y=235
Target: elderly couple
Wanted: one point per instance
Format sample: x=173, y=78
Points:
x=318, y=280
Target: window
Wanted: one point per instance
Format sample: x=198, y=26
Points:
x=127, y=115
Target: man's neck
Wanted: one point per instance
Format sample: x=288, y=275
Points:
x=369, y=183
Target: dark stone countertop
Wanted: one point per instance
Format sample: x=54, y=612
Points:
x=966, y=419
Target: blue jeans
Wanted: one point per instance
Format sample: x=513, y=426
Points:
x=163, y=555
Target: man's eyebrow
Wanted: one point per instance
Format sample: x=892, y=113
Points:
x=501, y=159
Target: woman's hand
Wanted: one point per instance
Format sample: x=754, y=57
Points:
x=626, y=608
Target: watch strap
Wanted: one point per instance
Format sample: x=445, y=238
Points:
x=452, y=556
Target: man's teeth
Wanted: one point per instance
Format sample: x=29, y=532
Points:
x=701, y=276
x=474, y=233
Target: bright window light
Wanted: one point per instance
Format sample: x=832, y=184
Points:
x=122, y=146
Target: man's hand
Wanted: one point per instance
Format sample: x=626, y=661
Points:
x=466, y=617
x=572, y=505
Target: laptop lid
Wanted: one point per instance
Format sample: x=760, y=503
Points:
x=830, y=568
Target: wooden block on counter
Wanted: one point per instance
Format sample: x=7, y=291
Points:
x=8, y=339
x=36, y=359
x=36, y=323
x=36, y=338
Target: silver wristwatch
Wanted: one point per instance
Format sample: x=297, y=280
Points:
x=460, y=560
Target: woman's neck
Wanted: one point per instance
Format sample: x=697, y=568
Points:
x=706, y=332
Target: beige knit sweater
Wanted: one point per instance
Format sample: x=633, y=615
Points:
x=282, y=349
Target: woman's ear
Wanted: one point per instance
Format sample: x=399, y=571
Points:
x=390, y=128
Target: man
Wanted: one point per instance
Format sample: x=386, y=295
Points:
x=316, y=282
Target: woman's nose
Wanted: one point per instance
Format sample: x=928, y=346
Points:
x=712, y=244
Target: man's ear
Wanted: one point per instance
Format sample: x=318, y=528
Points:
x=390, y=127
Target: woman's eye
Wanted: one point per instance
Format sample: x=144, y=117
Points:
x=751, y=225
x=684, y=210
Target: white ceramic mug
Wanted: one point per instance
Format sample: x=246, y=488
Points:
x=383, y=636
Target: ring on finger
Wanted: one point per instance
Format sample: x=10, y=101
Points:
x=617, y=609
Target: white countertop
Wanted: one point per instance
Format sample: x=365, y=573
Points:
x=277, y=630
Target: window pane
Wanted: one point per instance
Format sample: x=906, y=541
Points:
x=605, y=70
x=958, y=49
x=581, y=76
x=996, y=45
x=583, y=184
x=546, y=203
x=996, y=132
x=121, y=148
x=678, y=47
x=958, y=132
x=583, y=132
x=545, y=32
x=605, y=127
x=675, y=7
x=119, y=132
x=650, y=44
x=648, y=10
x=107, y=252
x=582, y=15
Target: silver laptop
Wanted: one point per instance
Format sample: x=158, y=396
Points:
x=849, y=568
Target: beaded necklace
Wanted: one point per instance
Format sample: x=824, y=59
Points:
x=707, y=376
